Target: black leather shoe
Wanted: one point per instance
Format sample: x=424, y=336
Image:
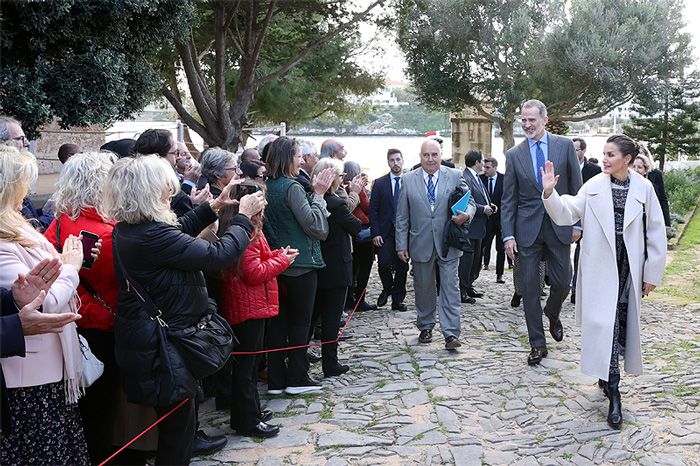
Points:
x=556, y=329
x=467, y=300
x=382, y=299
x=265, y=415
x=347, y=335
x=515, y=300
x=474, y=294
x=338, y=369
x=261, y=430
x=573, y=298
x=500, y=279
x=426, y=336
x=313, y=359
x=452, y=343
x=486, y=266
x=536, y=355
x=205, y=445
x=365, y=306
x=401, y=307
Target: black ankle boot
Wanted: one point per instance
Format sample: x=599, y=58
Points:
x=329, y=361
x=615, y=410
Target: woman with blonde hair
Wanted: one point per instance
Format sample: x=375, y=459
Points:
x=158, y=254
x=42, y=387
x=77, y=204
x=644, y=165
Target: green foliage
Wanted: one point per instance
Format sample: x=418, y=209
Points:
x=669, y=118
x=82, y=61
x=682, y=189
x=494, y=54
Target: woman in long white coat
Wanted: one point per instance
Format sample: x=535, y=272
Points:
x=623, y=255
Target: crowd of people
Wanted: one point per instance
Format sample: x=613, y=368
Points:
x=280, y=241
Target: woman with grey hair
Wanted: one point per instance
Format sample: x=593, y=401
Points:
x=362, y=247
x=336, y=277
x=160, y=253
x=219, y=167
x=79, y=211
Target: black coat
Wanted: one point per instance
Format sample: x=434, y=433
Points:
x=181, y=203
x=305, y=181
x=589, y=170
x=494, y=221
x=336, y=248
x=381, y=208
x=657, y=180
x=167, y=261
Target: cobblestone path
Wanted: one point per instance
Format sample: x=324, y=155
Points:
x=405, y=403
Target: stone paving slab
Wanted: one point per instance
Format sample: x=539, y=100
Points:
x=403, y=403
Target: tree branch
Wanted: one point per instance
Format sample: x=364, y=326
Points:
x=263, y=32
x=220, y=63
x=317, y=44
x=193, y=80
x=188, y=119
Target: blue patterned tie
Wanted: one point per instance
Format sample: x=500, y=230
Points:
x=397, y=191
x=540, y=162
x=431, y=191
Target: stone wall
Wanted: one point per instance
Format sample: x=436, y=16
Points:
x=469, y=131
x=52, y=137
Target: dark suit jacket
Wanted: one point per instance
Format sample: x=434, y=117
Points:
x=494, y=220
x=589, y=170
x=305, y=181
x=11, y=335
x=657, y=180
x=181, y=204
x=381, y=208
x=336, y=248
x=477, y=227
x=522, y=210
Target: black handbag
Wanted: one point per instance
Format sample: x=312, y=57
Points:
x=204, y=347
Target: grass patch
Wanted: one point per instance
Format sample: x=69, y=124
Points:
x=599, y=442
x=681, y=283
x=567, y=456
x=381, y=384
x=257, y=439
x=327, y=411
x=539, y=439
x=681, y=391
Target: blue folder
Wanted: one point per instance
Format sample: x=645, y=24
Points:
x=462, y=204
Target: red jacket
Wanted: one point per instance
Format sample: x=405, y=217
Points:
x=101, y=276
x=362, y=209
x=253, y=295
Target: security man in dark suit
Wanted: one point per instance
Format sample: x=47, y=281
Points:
x=470, y=262
x=382, y=217
x=493, y=181
x=588, y=171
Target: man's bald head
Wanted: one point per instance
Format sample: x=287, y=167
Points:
x=430, y=156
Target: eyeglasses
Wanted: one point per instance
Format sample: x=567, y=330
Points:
x=231, y=168
x=175, y=152
x=21, y=139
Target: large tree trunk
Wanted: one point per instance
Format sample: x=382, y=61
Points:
x=507, y=133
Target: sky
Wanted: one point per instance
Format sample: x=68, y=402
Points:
x=390, y=59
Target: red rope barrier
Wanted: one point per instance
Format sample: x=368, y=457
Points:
x=340, y=334
x=144, y=432
x=308, y=345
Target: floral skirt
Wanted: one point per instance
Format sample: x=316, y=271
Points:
x=44, y=430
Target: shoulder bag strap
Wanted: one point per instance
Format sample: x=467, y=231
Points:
x=644, y=227
x=132, y=285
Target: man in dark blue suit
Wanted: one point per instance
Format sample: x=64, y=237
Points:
x=470, y=262
x=493, y=181
x=382, y=218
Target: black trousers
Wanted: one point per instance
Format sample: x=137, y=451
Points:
x=392, y=271
x=245, y=400
x=493, y=231
x=176, y=434
x=362, y=260
x=97, y=406
x=470, y=266
x=577, y=252
x=291, y=328
x=328, y=307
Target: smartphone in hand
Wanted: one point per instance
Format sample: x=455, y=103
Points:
x=89, y=240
